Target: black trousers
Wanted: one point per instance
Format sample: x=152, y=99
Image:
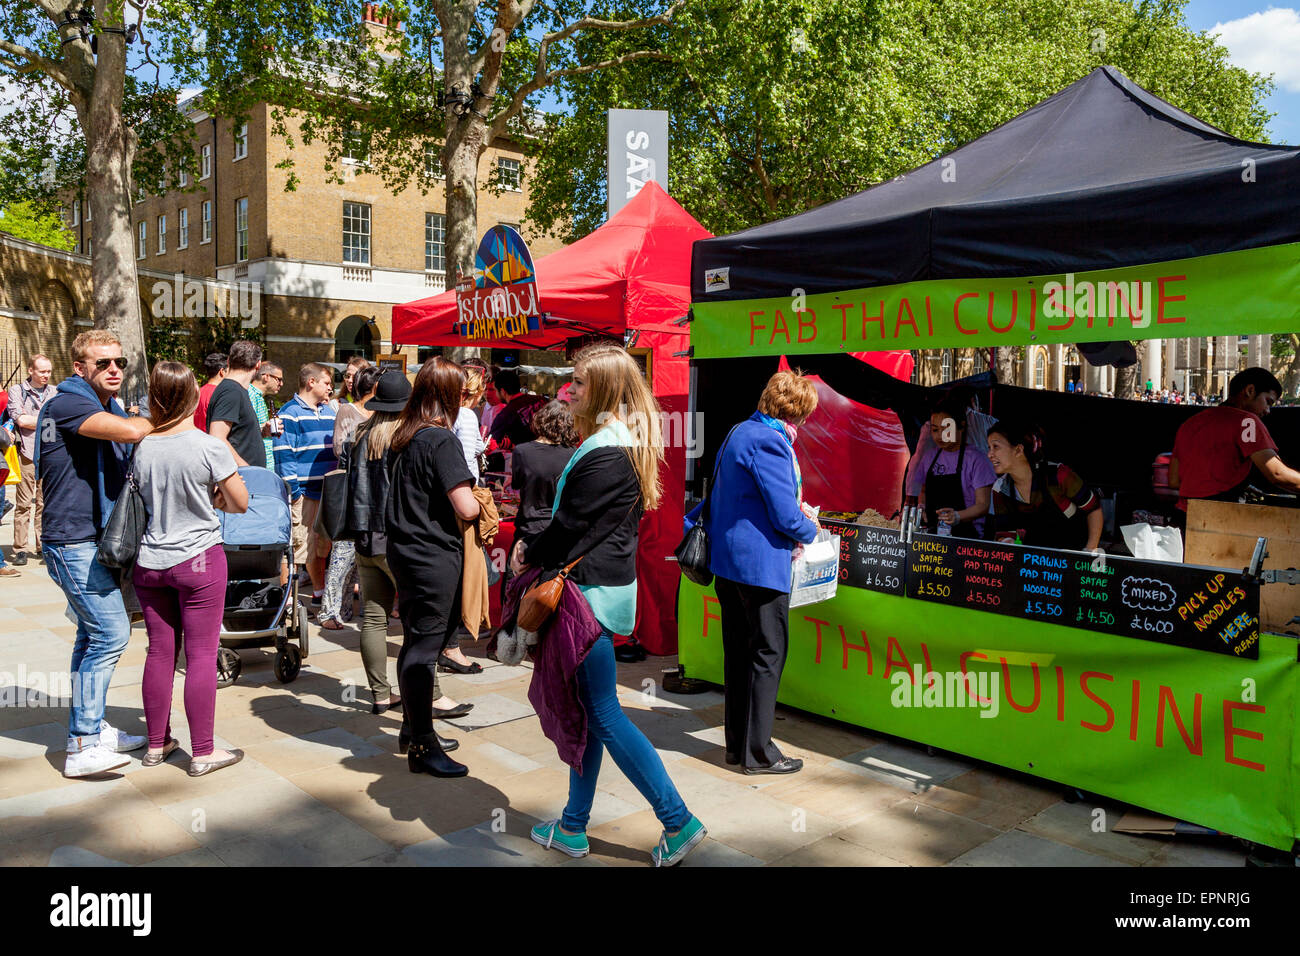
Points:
x=755, y=639
x=427, y=625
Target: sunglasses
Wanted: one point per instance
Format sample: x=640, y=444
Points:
x=102, y=364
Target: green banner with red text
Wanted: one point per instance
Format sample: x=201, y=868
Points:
x=1195, y=736
x=1234, y=293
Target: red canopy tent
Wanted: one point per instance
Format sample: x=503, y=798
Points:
x=632, y=274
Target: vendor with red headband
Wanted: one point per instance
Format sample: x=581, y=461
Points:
x=1038, y=502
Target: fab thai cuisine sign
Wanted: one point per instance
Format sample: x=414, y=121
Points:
x=1222, y=294
x=500, y=300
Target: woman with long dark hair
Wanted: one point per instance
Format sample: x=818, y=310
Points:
x=431, y=487
x=184, y=475
x=1035, y=501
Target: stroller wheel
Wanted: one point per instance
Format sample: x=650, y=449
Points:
x=228, y=667
x=288, y=663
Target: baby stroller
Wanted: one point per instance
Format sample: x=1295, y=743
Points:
x=261, y=608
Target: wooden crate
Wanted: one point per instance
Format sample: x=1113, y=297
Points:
x=1222, y=534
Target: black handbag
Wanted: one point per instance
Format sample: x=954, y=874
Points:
x=119, y=542
x=332, y=515
x=693, y=553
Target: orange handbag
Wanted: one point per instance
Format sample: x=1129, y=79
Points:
x=540, y=601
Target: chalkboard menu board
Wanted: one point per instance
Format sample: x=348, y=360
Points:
x=871, y=558
x=1190, y=606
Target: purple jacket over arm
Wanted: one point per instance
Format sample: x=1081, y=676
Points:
x=562, y=646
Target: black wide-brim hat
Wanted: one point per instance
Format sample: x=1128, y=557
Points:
x=391, y=393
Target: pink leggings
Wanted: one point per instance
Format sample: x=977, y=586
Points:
x=186, y=599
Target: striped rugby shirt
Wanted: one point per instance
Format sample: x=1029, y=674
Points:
x=304, y=453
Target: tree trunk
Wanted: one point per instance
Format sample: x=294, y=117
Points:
x=466, y=142
x=1127, y=379
x=110, y=151
x=1291, y=374
x=1004, y=366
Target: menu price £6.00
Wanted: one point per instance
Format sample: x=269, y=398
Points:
x=1203, y=608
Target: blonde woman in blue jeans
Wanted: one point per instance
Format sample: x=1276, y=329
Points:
x=599, y=499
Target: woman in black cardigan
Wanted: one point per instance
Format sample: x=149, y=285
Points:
x=599, y=499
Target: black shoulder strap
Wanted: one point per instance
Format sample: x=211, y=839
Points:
x=708, y=494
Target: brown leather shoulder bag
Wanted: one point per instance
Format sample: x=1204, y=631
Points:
x=540, y=601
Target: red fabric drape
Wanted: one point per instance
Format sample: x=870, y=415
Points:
x=853, y=456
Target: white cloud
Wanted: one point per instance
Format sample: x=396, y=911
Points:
x=1265, y=42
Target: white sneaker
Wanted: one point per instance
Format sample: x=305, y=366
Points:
x=117, y=741
x=93, y=760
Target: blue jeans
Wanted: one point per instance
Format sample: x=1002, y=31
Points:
x=608, y=726
x=3, y=497
x=103, y=629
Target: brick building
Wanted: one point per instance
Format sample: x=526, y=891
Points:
x=330, y=259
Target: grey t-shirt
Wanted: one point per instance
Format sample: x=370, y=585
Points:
x=176, y=474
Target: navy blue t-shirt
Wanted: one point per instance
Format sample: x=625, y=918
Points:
x=69, y=470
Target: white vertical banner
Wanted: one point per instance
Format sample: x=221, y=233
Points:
x=637, y=154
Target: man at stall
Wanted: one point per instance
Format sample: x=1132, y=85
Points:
x=1035, y=501
x=510, y=426
x=956, y=479
x=1214, y=450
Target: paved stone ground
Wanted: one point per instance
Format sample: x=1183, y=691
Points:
x=322, y=784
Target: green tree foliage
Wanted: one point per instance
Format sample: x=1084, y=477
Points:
x=776, y=108
x=89, y=91
x=89, y=97
x=424, y=102
x=26, y=220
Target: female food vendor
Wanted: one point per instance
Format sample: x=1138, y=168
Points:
x=1042, y=503
x=977, y=427
x=955, y=478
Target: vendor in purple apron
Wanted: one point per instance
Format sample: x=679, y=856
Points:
x=1037, y=502
x=955, y=491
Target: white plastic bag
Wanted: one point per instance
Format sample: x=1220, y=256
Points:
x=1157, y=544
x=816, y=573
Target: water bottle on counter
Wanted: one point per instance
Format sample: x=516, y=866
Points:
x=945, y=529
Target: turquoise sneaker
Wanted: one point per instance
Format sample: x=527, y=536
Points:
x=550, y=835
x=671, y=850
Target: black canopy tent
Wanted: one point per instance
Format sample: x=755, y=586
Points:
x=1102, y=174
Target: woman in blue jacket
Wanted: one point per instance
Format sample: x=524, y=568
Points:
x=755, y=519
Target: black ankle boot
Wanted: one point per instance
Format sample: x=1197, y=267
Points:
x=427, y=756
x=404, y=742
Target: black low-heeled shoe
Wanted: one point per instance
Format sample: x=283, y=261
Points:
x=451, y=713
x=394, y=703
x=630, y=653
x=448, y=744
x=427, y=755
x=447, y=666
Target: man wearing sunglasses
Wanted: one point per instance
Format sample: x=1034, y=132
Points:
x=83, y=443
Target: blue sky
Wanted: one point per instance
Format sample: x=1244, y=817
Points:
x=1261, y=36
x=1264, y=38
